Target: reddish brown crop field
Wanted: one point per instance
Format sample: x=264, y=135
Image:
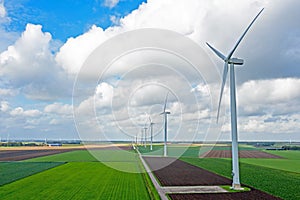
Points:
x=242, y=154
x=180, y=173
x=16, y=155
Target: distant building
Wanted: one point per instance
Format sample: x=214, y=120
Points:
x=54, y=144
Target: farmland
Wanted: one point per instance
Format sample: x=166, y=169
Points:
x=291, y=161
x=16, y=155
x=280, y=183
x=279, y=175
x=78, y=174
x=12, y=171
x=83, y=177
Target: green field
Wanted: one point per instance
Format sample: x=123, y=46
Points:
x=84, y=177
x=72, y=156
x=12, y=171
x=90, y=156
x=173, y=151
x=291, y=161
x=280, y=183
x=186, y=151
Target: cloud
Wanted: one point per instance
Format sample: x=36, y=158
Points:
x=4, y=106
x=29, y=58
x=199, y=20
x=59, y=108
x=2, y=9
x=75, y=51
x=102, y=99
x=270, y=91
x=111, y=3
x=267, y=93
x=20, y=112
x=30, y=65
x=274, y=96
x=7, y=92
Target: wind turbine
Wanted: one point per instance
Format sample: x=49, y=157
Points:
x=142, y=132
x=232, y=61
x=145, y=136
x=165, y=113
x=151, y=132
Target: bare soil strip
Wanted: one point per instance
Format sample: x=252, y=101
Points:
x=242, y=154
x=179, y=173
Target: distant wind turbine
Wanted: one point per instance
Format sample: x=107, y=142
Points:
x=151, y=132
x=232, y=61
x=145, y=136
x=142, y=132
x=165, y=113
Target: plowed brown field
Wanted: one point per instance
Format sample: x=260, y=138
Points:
x=179, y=173
x=242, y=154
x=16, y=155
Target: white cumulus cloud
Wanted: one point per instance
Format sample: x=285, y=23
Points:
x=20, y=112
x=59, y=108
x=111, y=3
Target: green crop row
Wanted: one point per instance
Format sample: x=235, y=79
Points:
x=12, y=171
x=78, y=180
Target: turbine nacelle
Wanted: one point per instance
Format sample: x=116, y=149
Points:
x=236, y=61
x=165, y=113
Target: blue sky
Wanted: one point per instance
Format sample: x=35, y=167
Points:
x=66, y=18
x=44, y=45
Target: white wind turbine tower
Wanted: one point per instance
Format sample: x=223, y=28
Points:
x=232, y=61
x=145, y=136
x=151, y=132
x=165, y=113
x=142, y=132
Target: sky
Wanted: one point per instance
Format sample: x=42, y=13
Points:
x=80, y=69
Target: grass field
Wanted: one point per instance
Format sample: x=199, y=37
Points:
x=280, y=183
x=12, y=171
x=84, y=177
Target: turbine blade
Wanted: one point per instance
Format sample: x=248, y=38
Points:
x=225, y=71
x=240, y=39
x=218, y=53
x=166, y=99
